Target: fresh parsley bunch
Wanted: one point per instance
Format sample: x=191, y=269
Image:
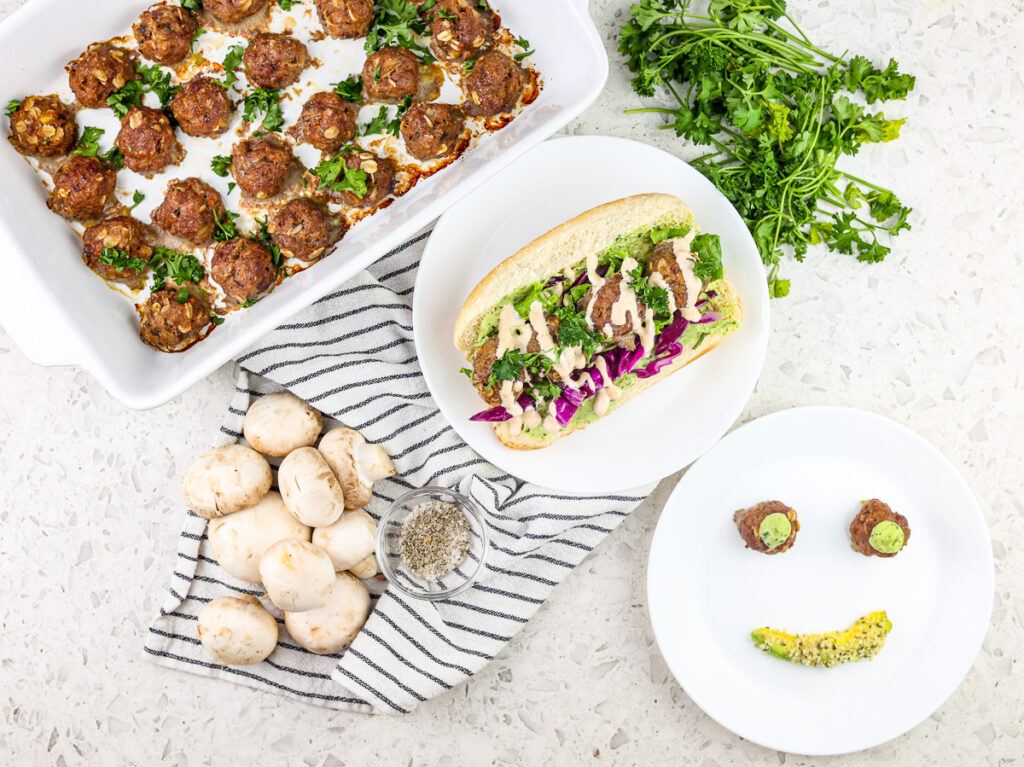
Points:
x=777, y=112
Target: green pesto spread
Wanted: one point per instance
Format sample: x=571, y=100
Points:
x=886, y=537
x=775, y=530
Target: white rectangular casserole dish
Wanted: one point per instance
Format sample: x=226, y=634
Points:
x=59, y=313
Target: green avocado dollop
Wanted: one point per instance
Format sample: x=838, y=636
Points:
x=887, y=537
x=775, y=529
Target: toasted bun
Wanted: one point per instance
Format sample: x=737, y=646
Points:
x=564, y=246
x=524, y=441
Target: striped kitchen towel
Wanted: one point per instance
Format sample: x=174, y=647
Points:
x=351, y=355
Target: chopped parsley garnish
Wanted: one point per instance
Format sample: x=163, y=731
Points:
x=523, y=43
x=573, y=330
x=178, y=267
x=192, y=5
x=384, y=123
x=215, y=319
x=266, y=102
x=247, y=303
x=469, y=66
x=231, y=186
x=89, y=146
x=287, y=5
x=195, y=39
x=220, y=164
x=224, y=229
x=336, y=176
x=136, y=199
x=512, y=364
x=129, y=96
x=231, y=62
x=158, y=80
x=12, y=106
x=708, y=250
x=653, y=297
x=350, y=89
x=398, y=23
x=467, y=372
x=262, y=235
x=119, y=259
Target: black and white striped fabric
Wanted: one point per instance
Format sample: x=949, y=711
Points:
x=351, y=355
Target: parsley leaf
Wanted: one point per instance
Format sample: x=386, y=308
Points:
x=168, y=264
x=12, y=106
x=195, y=38
x=215, y=319
x=266, y=102
x=398, y=23
x=119, y=259
x=192, y=5
x=158, y=80
x=262, y=235
x=88, y=144
x=523, y=43
x=514, y=363
x=127, y=97
x=220, y=164
x=336, y=176
x=350, y=89
x=287, y=5
x=708, y=264
x=225, y=229
x=137, y=198
x=232, y=60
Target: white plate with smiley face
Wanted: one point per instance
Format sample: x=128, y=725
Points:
x=707, y=591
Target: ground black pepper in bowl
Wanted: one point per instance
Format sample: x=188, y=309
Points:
x=434, y=540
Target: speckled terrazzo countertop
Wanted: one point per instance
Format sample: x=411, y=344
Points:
x=933, y=337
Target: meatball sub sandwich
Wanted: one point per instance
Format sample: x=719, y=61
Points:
x=591, y=314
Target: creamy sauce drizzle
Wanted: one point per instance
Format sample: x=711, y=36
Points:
x=531, y=418
x=512, y=333
x=657, y=280
x=540, y=327
x=550, y=422
x=684, y=258
x=626, y=306
x=572, y=359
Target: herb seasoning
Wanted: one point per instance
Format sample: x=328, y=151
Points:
x=434, y=539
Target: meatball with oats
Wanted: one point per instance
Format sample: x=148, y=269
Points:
x=99, y=72
x=117, y=249
x=327, y=122
x=275, y=61
x=202, y=107
x=261, y=166
x=43, y=126
x=147, y=141
x=664, y=262
x=460, y=29
x=432, y=130
x=82, y=187
x=494, y=85
x=769, y=527
x=165, y=32
x=345, y=18
x=602, y=310
x=878, y=531
x=170, y=320
x=233, y=11
x=190, y=210
x=302, y=229
x=244, y=268
x=391, y=74
x=379, y=177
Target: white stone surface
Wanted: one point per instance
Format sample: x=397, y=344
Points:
x=89, y=505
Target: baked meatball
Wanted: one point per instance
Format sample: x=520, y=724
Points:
x=233, y=11
x=391, y=74
x=275, y=61
x=168, y=324
x=261, y=166
x=100, y=71
x=327, y=122
x=81, y=188
x=483, y=364
x=380, y=178
x=432, y=130
x=664, y=262
x=302, y=229
x=493, y=86
x=460, y=29
x=43, y=126
x=188, y=210
x=165, y=33
x=345, y=18
x=244, y=268
x=769, y=527
x=202, y=107
x=119, y=233
x=878, y=531
x=601, y=312
x=147, y=141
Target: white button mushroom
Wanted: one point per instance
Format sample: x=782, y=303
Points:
x=365, y=569
x=278, y=423
x=349, y=540
x=356, y=463
x=226, y=480
x=297, y=575
x=240, y=540
x=237, y=630
x=309, y=488
x=331, y=628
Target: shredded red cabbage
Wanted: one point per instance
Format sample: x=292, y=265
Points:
x=655, y=367
x=496, y=414
x=670, y=333
x=709, y=317
x=565, y=409
x=555, y=280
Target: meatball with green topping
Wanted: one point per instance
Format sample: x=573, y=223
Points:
x=878, y=531
x=117, y=249
x=769, y=527
x=99, y=72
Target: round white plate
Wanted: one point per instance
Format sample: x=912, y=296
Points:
x=655, y=434
x=706, y=592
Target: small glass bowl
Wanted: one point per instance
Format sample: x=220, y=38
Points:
x=389, y=549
